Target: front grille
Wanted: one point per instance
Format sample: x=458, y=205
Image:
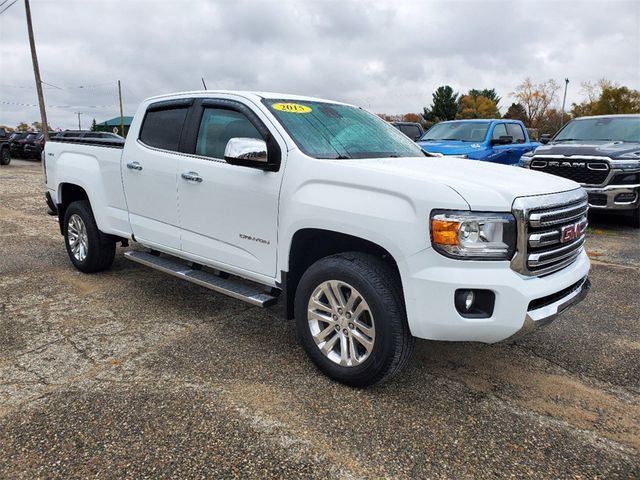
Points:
x=586, y=172
x=551, y=231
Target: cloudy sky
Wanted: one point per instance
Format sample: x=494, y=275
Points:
x=387, y=56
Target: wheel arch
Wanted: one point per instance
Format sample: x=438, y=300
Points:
x=67, y=194
x=309, y=245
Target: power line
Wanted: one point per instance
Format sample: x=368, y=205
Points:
x=8, y=7
x=54, y=86
x=67, y=87
x=77, y=107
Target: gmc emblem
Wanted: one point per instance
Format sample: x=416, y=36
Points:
x=568, y=233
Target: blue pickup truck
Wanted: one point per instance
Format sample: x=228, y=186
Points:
x=498, y=141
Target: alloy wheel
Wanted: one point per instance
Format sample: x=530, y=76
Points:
x=341, y=323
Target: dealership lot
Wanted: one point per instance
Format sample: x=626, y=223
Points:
x=134, y=373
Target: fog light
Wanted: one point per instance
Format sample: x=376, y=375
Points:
x=468, y=300
x=625, y=198
x=474, y=303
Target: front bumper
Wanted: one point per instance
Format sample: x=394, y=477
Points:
x=430, y=281
x=544, y=314
x=608, y=198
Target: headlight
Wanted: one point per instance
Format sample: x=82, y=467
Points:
x=632, y=155
x=454, y=155
x=473, y=235
x=526, y=158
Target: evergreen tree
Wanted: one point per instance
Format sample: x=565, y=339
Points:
x=94, y=126
x=443, y=107
x=516, y=112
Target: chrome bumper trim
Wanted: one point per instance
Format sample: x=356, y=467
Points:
x=611, y=192
x=545, y=315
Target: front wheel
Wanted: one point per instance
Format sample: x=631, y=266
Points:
x=5, y=157
x=88, y=248
x=351, y=319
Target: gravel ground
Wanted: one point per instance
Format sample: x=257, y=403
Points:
x=132, y=373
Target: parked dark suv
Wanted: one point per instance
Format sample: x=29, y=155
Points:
x=411, y=129
x=16, y=143
x=34, y=145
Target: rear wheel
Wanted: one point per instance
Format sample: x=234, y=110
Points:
x=351, y=319
x=89, y=249
x=5, y=157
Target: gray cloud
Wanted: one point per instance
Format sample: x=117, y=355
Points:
x=386, y=56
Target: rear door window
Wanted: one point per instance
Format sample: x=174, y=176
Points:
x=162, y=128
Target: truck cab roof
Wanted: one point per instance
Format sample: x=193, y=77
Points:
x=248, y=94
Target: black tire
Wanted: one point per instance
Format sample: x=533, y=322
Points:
x=5, y=157
x=634, y=218
x=379, y=286
x=101, y=248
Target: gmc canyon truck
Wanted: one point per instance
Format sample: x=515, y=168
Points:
x=497, y=141
x=329, y=209
x=602, y=154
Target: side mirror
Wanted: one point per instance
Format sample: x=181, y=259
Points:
x=502, y=140
x=545, y=138
x=247, y=152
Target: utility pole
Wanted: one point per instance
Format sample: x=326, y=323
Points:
x=79, y=126
x=121, y=115
x=564, y=99
x=36, y=72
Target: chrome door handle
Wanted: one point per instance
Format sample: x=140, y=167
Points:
x=134, y=166
x=192, y=177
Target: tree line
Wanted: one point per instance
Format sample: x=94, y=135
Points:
x=536, y=104
x=37, y=127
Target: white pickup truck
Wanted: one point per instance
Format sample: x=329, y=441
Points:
x=325, y=207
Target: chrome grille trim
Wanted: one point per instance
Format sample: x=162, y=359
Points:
x=544, y=238
x=550, y=256
x=540, y=221
x=556, y=217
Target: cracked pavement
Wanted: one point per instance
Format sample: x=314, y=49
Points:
x=134, y=374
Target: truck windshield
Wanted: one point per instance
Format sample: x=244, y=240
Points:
x=606, y=129
x=462, y=131
x=333, y=131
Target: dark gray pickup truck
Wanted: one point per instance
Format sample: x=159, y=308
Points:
x=602, y=154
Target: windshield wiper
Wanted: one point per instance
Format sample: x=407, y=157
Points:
x=570, y=140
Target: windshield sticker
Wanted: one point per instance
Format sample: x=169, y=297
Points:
x=291, y=107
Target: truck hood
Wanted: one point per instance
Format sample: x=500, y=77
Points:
x=451, y=147
x=484, y=186
x=612, y=150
